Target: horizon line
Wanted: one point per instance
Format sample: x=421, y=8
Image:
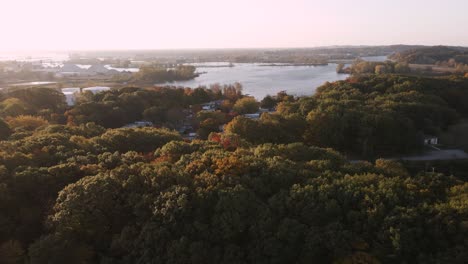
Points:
x=228, y=48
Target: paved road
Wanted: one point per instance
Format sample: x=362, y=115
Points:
x=446, y=154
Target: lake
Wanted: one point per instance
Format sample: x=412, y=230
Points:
x=258, y=80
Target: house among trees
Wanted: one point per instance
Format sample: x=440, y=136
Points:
x=139, y=124
x=253, y=116
x=208, y=107
x=72, y=92
x=211, y=106
x=431, y=140
x=190, y=136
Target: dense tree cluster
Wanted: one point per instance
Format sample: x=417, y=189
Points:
x=374, y=67
x=158, y=74
x=263, y=191
x=433, y=55
x=5, y=130
x=269, y=128
x=46, y=103
x=246, y=105
x=367, y=116
x=35, y=166
x=200, y=203
x=164, y=106
x=209, y=122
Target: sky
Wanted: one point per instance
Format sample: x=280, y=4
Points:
x=200, y=24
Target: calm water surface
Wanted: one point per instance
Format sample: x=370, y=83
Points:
x=259, y=81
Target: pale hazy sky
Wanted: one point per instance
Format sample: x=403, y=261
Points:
x=173, y=24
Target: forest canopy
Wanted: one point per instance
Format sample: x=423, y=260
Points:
x=433, y=55
x=78, y=187
x=368, y=116
x=200, y=202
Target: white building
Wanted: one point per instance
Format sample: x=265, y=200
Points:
x=100, y=69
x=70, y=69
x=70, y=94
x=96, y=89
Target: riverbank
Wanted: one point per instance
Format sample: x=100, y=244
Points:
x=292, y=64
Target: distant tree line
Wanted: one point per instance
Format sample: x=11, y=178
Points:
x=374, y=67
x=441, y=55
x=159, y=74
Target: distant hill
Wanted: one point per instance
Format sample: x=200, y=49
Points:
x=265, y=55
x=433, y=55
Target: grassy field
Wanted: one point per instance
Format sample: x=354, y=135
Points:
x=435, y=68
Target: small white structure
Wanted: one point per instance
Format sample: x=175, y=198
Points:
x=211, y=106
x=253, y=116
x=96, y=89
x=71, y=94
x=265, y=110
x=191, y=136
x=71, y=89
x=208, y=108
x=431, y=140
x=139, y=124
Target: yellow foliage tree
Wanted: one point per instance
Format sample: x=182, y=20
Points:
x=26, y=122
x=246, y=105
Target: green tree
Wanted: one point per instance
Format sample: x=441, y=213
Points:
x=402, y=68
x=13, y=107
x=5, y=130
x=340, y=68
x=246, y=105
x=381, y=69
x=136, y=139
x=206, y=127
x=26, y=122
x=268, y=102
